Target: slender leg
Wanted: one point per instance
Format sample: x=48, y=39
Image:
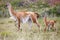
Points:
x=49, y=25
x=34, y=19
x=45, y=28
x=53, y=27
x=18, y=24
x=37, y=23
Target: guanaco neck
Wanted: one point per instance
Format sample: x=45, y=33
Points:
x=11, y=11
x=45, y=19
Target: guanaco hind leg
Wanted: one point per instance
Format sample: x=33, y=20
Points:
x=36, y=22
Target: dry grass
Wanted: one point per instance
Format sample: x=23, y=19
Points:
x=8, y=31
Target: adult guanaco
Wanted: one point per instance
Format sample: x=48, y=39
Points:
x=49, y=23
x=23, y=16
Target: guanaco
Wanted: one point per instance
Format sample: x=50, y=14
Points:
x=49, y=23
x=23, y=16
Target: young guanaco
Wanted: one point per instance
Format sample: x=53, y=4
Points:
x=49, y=23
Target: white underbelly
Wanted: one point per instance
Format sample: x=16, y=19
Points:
x=25, y=19
x=22, y=19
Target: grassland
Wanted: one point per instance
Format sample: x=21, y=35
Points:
x=8, y=31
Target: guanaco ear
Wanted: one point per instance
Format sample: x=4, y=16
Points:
x=8, y=3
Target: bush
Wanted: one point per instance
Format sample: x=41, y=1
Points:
x=55, y=10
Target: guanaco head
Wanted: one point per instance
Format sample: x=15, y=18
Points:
x=8, y=5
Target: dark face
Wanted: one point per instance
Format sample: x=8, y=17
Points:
x=7, y=5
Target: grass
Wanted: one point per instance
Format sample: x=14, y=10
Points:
x=8, y=31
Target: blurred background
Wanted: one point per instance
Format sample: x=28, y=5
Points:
x=50, y=7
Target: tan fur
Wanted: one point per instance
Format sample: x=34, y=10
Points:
x=47, y=22
x=23, y=14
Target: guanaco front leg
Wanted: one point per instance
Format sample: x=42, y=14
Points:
x=45, y=28
x=18, y=24
x=37, y=24
x=53, y=27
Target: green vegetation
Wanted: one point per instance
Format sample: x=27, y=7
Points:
x=30, y=6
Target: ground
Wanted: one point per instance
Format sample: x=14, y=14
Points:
x=8, y=31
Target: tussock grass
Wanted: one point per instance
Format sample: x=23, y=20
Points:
x=8, y=31
x=2, y=23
